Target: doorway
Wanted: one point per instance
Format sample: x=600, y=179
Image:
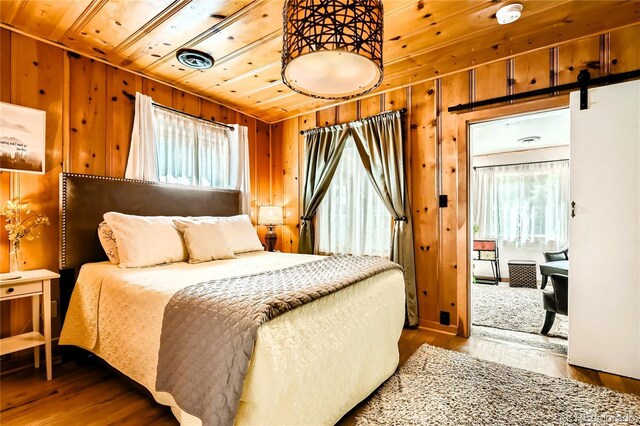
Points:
x=519, y=220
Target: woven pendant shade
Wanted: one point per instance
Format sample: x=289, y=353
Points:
x=332, y=48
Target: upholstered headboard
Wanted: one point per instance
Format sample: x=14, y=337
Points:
x=85, y=198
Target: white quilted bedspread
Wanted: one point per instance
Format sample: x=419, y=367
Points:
x=310, y=365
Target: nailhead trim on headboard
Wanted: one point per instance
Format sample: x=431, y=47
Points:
x=63, y=204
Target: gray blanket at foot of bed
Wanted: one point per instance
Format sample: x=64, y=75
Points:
x=209, y=329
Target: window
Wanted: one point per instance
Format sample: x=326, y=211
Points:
x=351, y=218
x=524, y=205
x=191, y=151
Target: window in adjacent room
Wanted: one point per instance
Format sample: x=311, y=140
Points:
x=351, y=218
x=526, y=205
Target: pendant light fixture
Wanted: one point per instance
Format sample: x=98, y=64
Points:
x=332, y=48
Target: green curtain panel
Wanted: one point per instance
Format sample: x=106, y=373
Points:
x=379, y=142
x=323, y=151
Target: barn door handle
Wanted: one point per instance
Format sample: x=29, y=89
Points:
x=573, y=209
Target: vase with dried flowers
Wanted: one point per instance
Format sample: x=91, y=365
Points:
x=19, y=228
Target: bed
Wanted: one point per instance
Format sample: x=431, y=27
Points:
x=310, y=365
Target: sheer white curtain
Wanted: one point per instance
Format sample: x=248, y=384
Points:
x=142, y=162
x=239, y=177
x=526, y=206
x=191, y=152
x=352, y=219
x=170, y=147
x=176, y=147
x=213, y=155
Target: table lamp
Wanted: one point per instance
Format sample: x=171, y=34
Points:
x=270, y=216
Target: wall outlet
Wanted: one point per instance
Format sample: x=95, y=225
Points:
x=54, y=310
x=445, y=318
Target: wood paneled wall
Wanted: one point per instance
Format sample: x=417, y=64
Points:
x=437, y=161
x=89, y=121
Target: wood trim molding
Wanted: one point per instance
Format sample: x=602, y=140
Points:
x=554, y=71
x=66, y=101
x=23, y=359
x=158, y=20
x=605, y=54
x=534, y=105
x=472, y=85
x=248, y=47
x=205, y=35
x=77, y=52
x=416, y=82
x=464, y=207
x=84, y=18
x=255, y=44
x=15, y=9
x=436, y=326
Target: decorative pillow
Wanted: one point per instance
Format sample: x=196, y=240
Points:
x=205, y=241
x=146, y=240
x=241, y=234
x=108, y=242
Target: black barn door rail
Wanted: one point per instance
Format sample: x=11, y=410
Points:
x=584, y=82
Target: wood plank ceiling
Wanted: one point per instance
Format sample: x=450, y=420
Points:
x=424, y=39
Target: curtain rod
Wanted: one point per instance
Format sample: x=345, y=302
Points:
x=132, y=98
x=177, y=111
x=520, y=164
x=401, y=111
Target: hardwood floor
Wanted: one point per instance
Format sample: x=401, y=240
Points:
x=93, y=394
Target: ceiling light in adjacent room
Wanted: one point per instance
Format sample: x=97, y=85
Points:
x=529, y=139
x=194, y=59
x=509, y=13
x=332, y=49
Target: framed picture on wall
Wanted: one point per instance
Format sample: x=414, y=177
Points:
x=22, y=139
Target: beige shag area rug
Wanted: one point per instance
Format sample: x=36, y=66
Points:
x=442, y=387
x=513, y=308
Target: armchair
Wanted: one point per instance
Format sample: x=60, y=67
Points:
x=554, y=256
x=556, y=262
x=555, y=301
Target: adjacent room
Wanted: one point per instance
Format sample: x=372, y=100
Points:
x=319, y=212
x=521, y=207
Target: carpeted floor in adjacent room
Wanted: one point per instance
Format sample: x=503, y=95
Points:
x=513, y=308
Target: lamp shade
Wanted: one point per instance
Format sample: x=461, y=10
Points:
x=332, y=49
x=270, y=215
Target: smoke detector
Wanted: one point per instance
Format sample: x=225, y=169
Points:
x=529, y=139
x=194, y=59
x=509, y=13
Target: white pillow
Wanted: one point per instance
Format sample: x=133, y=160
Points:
x=108, y=242
x=205, y=241
x=192, y=219
x=241, y=234
x=146, y=240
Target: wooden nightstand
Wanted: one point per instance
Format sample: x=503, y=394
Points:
x=31, y=284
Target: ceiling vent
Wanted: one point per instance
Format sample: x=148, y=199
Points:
x=195, y=59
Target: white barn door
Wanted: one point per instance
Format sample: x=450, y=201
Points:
x=604, y=256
